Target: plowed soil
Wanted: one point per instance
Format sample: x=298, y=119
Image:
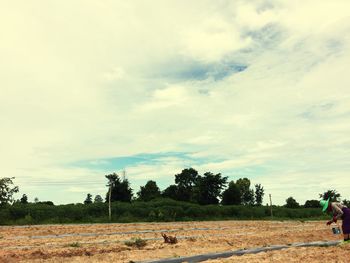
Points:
x=106, y=242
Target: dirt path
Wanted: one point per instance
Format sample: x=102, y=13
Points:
x=106, y=242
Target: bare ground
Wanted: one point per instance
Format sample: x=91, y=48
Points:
x=106, y=242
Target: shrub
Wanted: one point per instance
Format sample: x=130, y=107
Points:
x=136, y=242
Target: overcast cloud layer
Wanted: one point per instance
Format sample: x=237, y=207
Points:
x=257, y=89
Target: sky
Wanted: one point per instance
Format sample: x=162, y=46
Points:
x=256, y=89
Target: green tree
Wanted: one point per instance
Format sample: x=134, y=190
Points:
x=121, y=190
x=312, y=204
x=259, y=194
x=7, y=190
x=149, y=191
x=88, y=199
x=171, y=192
x=332, y=194
x=185, y=182
x=247, y=194
x=208, y=188
x=291, y=203
x=98, y=199
x=346, y=202
x=232, y=195
x=24, y=199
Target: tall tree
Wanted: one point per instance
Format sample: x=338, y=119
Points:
x=291, y=203
x=88, y=199
x=171, y=192
x=259, y=194
x=98, y=199
x=208, y=188
x=149, y=191
x=332, y=194
x=121, y=190
x=232, y=195
x=247, y=194
x=7, y=190
x=185, y=182
x=24, y=199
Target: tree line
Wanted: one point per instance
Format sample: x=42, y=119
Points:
x=189, y=186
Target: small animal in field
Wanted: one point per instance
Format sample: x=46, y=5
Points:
x=169, y=239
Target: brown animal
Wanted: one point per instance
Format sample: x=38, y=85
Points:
x=169, y=239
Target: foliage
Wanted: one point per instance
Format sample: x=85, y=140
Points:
x=312, y=204
x=121, y=190
x=259, y=194
x=232, y=195
x=74, y=244
x=149, y=191
x=98, y=199
x=247, y=194
x=208, y=188
x=46, y=202
x=185, y=181
x=88, y=199
x=7, y=190
x=171, y=192
x=332, y=194
x=24, y=199
x=158, y=210
x=291, y=203
x=346, y=202
x=136, y=242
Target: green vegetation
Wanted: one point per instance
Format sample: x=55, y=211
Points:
x=157, y=210
x=74, y=244
x=192, y=197
x=7, y=190
x=136, y=242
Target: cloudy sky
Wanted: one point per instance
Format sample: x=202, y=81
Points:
x=257, y=89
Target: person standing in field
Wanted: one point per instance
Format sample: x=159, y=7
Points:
x=338, y=211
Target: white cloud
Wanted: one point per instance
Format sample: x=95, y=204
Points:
x=78, y=81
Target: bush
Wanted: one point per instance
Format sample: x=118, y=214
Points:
x=155, y=210
x=136, y=242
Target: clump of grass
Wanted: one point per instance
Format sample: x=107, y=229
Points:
x=74, y=244
x=136, y=242
x=192, y=239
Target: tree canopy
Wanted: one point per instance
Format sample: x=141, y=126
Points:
x=232, y=195
x=121, y=190
x=208, y=188
x=88, y=199
x=149, y=191
x=291, y=203
x=247, y=194
x=185, y=181
x=7, y=189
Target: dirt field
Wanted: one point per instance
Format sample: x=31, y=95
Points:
x=106, y=242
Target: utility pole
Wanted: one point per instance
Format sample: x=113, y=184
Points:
x=109, y=201
x=271, y=206
x=123, y=174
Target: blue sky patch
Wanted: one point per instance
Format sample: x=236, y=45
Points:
x=184, y=70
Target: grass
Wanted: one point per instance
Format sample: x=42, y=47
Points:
x=136, y=242
x=192, y=239
x=74, y=244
